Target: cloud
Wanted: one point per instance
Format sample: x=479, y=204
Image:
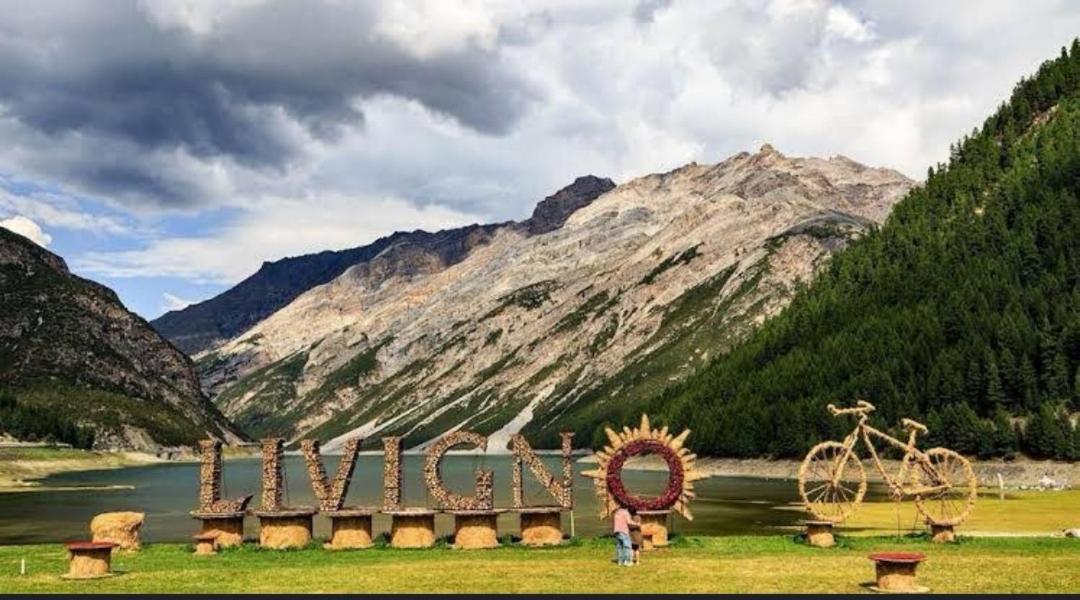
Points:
x=174, y=302
x=289, y=226
x=28, y=229
x=57, y=210
x=389, y=115
x=248, y=87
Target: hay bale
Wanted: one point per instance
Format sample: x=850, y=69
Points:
x=228, y=528
x=654, y=525
x=279, y=533
x=350, y=532
x=120, y=528
x=541, y=528
x=476, y=530
x=415, y=530
x=89, y=560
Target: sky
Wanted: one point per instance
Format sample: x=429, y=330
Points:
x=168, y=148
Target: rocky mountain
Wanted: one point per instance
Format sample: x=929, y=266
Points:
x=201, y=326
x=539, y=327
x=69, y=348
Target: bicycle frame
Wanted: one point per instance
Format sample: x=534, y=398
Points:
x=912, y=455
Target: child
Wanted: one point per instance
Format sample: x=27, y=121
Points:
x=635, y=536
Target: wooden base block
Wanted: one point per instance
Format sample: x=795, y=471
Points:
x=229, y=527
x=349, y=532
x=942, y=534
x=413, y=529
x=541, y=528
x=654, y=527
x=820, y=534
x=280, y=532
x=475, y=530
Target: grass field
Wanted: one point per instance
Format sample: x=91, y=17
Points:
x=1021, y=512
x=694, y=564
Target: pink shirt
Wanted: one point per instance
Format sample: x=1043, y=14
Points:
x=622, y=521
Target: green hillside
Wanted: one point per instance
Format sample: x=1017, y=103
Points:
x=961, y=311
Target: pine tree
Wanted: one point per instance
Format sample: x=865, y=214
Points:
x=1005, y=443
x=995, y=393
x=1029, y=387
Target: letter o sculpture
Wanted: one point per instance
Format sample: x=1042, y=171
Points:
x=644, y=439
x=618, y=490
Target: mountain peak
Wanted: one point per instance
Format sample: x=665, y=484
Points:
x=767, y=150
x=551, y=212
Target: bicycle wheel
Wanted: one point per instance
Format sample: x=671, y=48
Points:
x=831, y=486
x=953, y=504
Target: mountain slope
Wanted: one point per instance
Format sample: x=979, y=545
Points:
x=962, y=311
x=201, y=326
x=660, y=272
x=69, y=347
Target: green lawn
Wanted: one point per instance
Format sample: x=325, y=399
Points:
x=695, y=564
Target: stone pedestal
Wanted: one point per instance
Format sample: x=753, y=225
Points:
x=89, y=560
x=654, y=527
x=205, y=544
x=412, y=528
x=895, y=572
x=350, y=529
x=282, y=529
x=476, y=529
x=942, y=534
x=820, y=534
x=541, y=526
x=229, y=527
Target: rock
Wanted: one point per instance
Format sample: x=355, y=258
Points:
x=118, y=527
x=552, y=212
x=74, y=333
x=549, y=316
x=201, y=326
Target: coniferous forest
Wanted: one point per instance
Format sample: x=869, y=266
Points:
x=36, y=424
x=961, y=311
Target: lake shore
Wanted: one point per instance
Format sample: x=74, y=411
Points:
x=22, y=468
x=1021, y=473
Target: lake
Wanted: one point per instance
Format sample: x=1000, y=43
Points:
x=167, y=492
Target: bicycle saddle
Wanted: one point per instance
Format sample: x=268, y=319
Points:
x=909, y=425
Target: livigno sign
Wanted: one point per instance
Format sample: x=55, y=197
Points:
x=330, y=492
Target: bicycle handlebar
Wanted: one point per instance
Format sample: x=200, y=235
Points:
x=861, y=407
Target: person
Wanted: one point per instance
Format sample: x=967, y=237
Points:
x=621, y=528
x=635, y=536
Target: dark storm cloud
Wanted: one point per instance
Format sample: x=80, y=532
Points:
x=238, y=90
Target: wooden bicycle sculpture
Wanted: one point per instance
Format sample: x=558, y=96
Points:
x=832, y=480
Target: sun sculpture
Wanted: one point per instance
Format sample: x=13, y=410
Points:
x=607, y=476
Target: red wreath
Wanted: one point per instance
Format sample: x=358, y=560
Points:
x=626, y=499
